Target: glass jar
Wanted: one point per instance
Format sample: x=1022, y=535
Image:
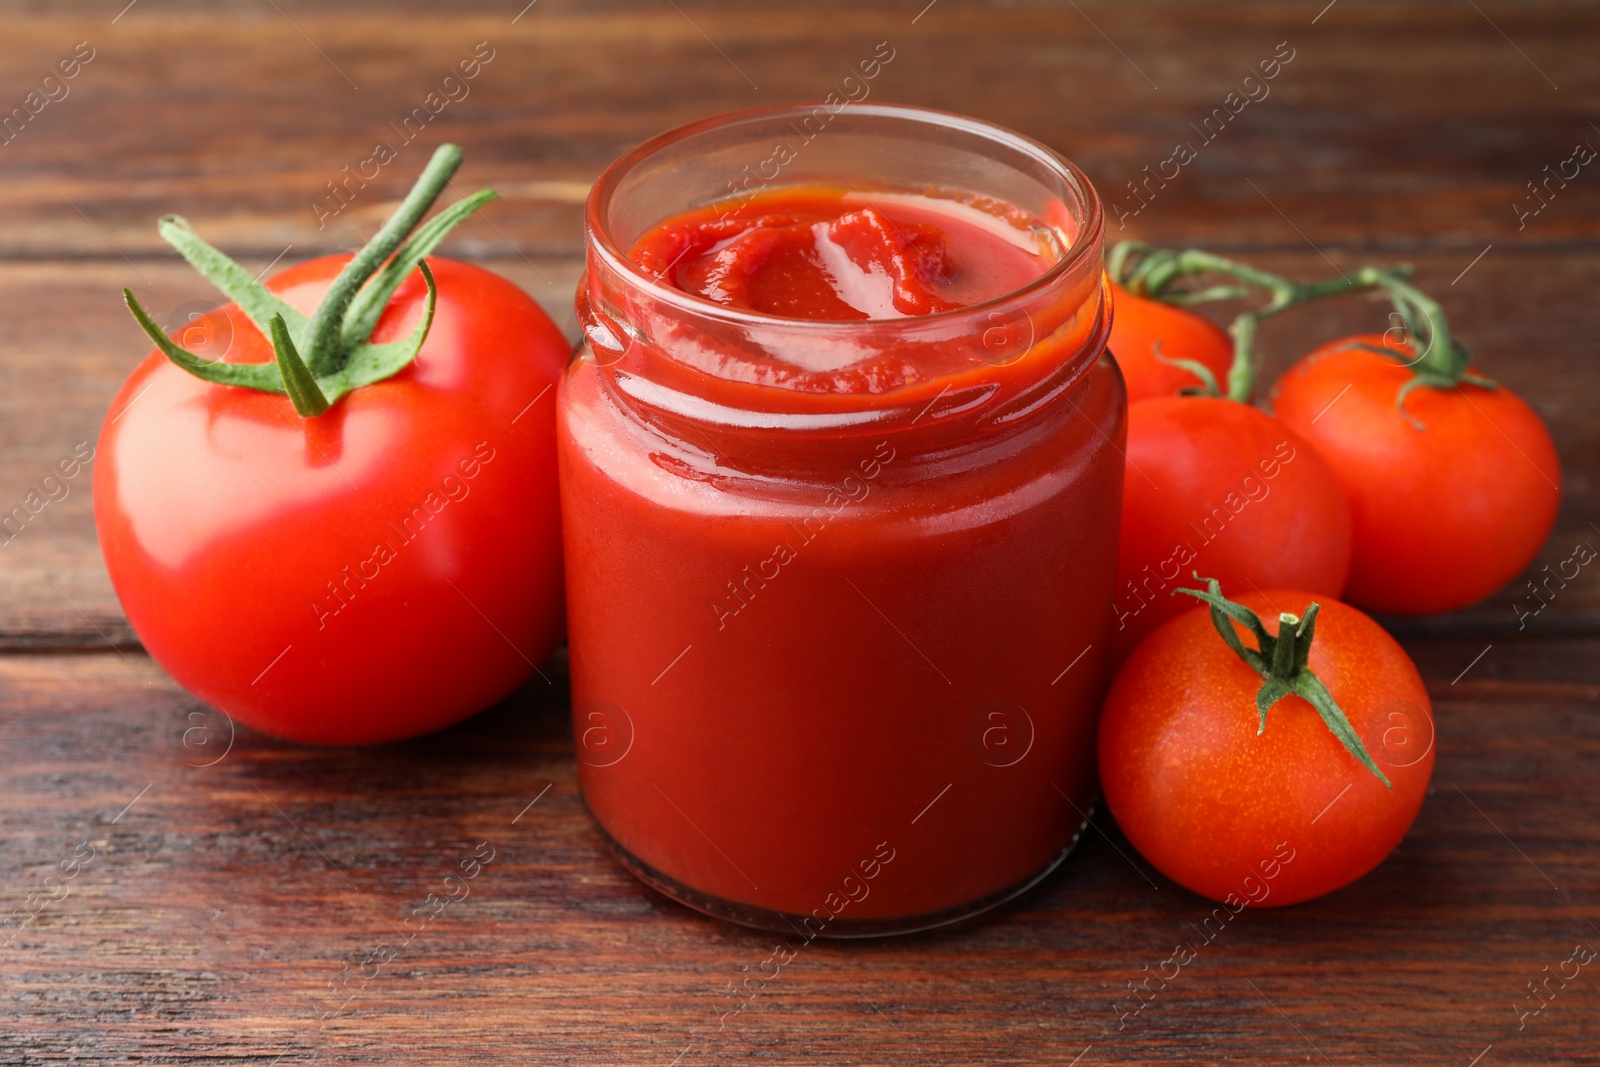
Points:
x=837, y=656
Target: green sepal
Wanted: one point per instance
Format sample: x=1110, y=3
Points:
x=325, y=333
x=1423, y=375
x=1223, y=609
x=1393, y=354
x=236, y=283
x=290, y=374
x=1271, y=691
x=262, y=376
x=1404, y=391
x=297, y=380
x=1123, y=261
x=367, y=307
x=374, y=362
x=1304, y=634
x=1208, y=381
x=319, y=360
x=1309, y=687
x=1282, y=662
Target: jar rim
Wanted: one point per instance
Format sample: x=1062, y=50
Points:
x=1087, y=245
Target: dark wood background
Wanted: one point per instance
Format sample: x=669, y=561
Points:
x=238, y=893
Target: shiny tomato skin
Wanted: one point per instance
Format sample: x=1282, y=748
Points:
x=1139, y=325
x=1443, y=515
x=1217, y=808
x=243, y=540
x=1226, y=490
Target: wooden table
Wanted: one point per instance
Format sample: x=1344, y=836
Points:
x=243, y=899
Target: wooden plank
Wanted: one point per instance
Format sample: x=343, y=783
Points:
x=227, y=905
x=239, y=117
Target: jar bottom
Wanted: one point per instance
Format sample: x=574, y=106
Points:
x=843, y=929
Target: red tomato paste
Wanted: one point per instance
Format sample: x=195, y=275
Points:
x=837, y=255
x=841, y=476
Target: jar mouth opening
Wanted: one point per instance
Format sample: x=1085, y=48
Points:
x=1085, y=244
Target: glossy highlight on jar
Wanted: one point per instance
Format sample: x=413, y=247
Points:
x=841, y=476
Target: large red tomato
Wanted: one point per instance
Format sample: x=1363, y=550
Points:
x=1265, y=814
x=375, y=572
x=1145, y=332
x=1225, y=489
x=1450, y=499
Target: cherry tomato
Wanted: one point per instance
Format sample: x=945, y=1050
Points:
x=1445, y=509
x=1224, y=489
x=1142, y=328
x=1278, y=817
x=376, y=572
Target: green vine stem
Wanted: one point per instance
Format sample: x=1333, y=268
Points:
x=317, y=361
x=1439, y=360
x=1172, y=277
x=1282, y=664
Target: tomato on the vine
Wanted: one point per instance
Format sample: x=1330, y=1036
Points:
x=1261, y=774
x=1453, y=487
x=1223, y=488
x=1148, y=335
x=375, y=571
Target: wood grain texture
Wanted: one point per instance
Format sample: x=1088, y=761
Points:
x=228, y=903
x=1399, y=125
x=218, y=918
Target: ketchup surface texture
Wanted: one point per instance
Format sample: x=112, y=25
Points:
x=838, y=610
x=816, y=253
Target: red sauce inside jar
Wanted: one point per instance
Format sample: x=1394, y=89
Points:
x=850, y=674
x=837, y=255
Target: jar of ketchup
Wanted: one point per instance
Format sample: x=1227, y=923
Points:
x=841, y=471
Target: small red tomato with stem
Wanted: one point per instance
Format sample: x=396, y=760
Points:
x=1212, y=483
x=1453, y=481
x=346, y=530
x=1153, y=343
x=1271, y=762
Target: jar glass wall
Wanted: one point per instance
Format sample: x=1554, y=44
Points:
x=839, y=591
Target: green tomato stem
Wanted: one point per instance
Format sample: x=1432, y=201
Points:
x=1285, y=295
x=325, y=354
x=1167, y=275
x=1283, y=664
x=321, y=359
x=1439, y=360
x=298, y=381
